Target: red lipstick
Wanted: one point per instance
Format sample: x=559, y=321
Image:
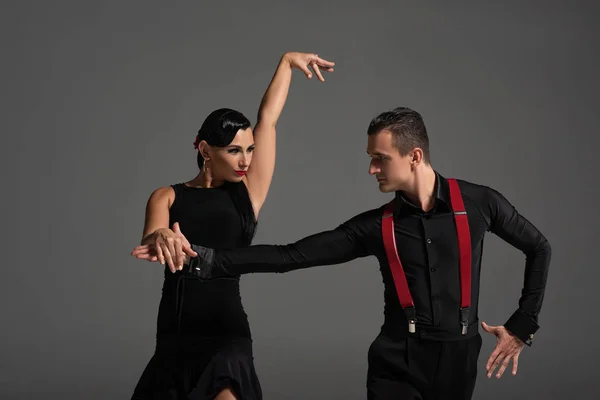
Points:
x=240, y=173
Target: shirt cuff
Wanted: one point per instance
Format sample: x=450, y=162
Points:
x=522, y=326
x=202, y=264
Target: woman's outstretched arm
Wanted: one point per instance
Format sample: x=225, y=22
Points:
x=260, y=172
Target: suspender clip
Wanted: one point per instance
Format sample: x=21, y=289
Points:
x=464, y=319
x=411, y=316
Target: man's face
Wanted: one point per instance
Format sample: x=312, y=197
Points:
x=392, y=170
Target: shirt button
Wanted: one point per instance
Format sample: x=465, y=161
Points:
x=432, y=269
x=428, y=241
x=436, y=297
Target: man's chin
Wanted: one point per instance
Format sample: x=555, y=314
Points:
x=385, y=187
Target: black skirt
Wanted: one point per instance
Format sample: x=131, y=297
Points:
x=200, y=372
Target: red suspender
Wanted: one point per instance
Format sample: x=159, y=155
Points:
x=464, y=245
x=391, y=251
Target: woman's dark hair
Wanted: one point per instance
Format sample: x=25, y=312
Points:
x=219, y=130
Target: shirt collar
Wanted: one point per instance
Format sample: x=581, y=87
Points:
x=441, y=192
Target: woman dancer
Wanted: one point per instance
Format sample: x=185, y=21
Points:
x=203, y=342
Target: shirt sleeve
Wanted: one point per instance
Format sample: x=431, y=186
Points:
x=345, y=243
x=506, y=222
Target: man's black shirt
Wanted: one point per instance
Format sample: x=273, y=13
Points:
x=428, y=248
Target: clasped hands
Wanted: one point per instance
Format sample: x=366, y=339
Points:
x=167, y=245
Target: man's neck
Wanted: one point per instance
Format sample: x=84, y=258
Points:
x=422, y=191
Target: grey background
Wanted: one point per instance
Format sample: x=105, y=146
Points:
x=101, y=102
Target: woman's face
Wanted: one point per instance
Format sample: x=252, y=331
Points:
x=231, y=162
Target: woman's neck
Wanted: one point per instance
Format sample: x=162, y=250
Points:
x=205, y=180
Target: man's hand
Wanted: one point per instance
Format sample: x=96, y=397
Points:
x=175, y=246
x=508, y=347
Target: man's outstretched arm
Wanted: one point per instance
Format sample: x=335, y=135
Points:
x=326, y=248
x=342, y=244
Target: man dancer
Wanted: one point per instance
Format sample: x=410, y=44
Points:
x=429, y=243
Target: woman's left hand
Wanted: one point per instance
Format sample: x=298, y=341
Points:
x=303, y=61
